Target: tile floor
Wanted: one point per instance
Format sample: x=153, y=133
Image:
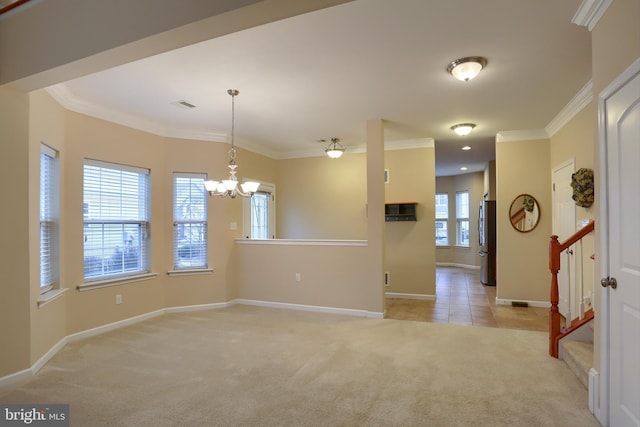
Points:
x=463, y=300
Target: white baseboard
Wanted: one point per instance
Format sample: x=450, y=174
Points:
x=453, y=264
x=199, y=307
x=543, y=304
x=410, y=296
x=26, y=374
x=48, y=355
x=316, y=308
x=594, y=390
x=112, y=326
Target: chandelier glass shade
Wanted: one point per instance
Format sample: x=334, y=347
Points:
x=335, y=149
x=230, y=187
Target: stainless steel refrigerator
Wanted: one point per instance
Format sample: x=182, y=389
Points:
x=487, y=240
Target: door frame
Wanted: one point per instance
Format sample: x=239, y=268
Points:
x=602, y=410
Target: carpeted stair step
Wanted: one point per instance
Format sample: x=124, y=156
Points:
x=579, y=356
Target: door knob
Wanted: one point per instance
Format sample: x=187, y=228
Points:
x=609, y=281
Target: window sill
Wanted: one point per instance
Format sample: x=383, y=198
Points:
x=115, y=281
x=49, y=296
x=190, y=272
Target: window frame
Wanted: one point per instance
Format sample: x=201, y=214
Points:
x=442, y=219
x=202, y=221
x=247, y=207
x=49, y=205
x=462, y=217
x=139, y=222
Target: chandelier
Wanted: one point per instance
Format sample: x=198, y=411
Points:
x=335, y=149
x=229, y=187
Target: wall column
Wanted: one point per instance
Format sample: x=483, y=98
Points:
x=14, y=245
x=375, y=212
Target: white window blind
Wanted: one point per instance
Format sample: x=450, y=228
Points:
x=442, y=218
x=49, y=195
x=116, y=220
x=462, y=218
x=189, y=221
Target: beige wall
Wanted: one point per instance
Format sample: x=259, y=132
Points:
x=46, y=125
x=410, y=246
x=522, y=258
x=87, y=137
x=15, y=324
x=474, y=184
x=267, y=272
x=615, y=46
x=576, y=140
x=322, y=198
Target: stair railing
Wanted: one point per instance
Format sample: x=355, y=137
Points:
x=555, y=249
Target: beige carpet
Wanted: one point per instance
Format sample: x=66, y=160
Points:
x=253, y=366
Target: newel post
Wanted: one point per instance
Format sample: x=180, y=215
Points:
x=554, y=313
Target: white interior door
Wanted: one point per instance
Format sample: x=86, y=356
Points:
x=622, y=137
x=564, y=225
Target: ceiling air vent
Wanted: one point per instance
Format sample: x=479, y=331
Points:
x=183, y=104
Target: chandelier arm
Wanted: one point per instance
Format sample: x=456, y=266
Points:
x=229, y=187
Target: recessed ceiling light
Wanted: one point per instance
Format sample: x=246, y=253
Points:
x=466, y=68
x=463, y=129
x=464, y=168
x=466, y=148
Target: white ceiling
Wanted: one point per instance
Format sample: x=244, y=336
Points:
x=325, y=73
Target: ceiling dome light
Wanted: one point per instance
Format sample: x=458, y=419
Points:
x=463, y=129
x=466, y=148
x=465, y=69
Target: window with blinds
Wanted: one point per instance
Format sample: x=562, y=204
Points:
x=189, y=221
x=442, y=219
x=116, y=220
x=49, y=195
x=462, y=218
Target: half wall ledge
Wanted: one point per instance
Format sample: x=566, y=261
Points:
x=302, y=242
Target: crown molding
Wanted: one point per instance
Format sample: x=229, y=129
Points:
x=409, y=144
x=577, y=104
x=521, y=135
x=590, y=12
x=67, y=100
x=406, y=144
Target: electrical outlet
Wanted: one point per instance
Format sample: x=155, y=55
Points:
x=387, y=278
x=119, y=299
x=297, y=277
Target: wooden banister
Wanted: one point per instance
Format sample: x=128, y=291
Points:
x=518, y=216
x=555, y=249
x=12, y=5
